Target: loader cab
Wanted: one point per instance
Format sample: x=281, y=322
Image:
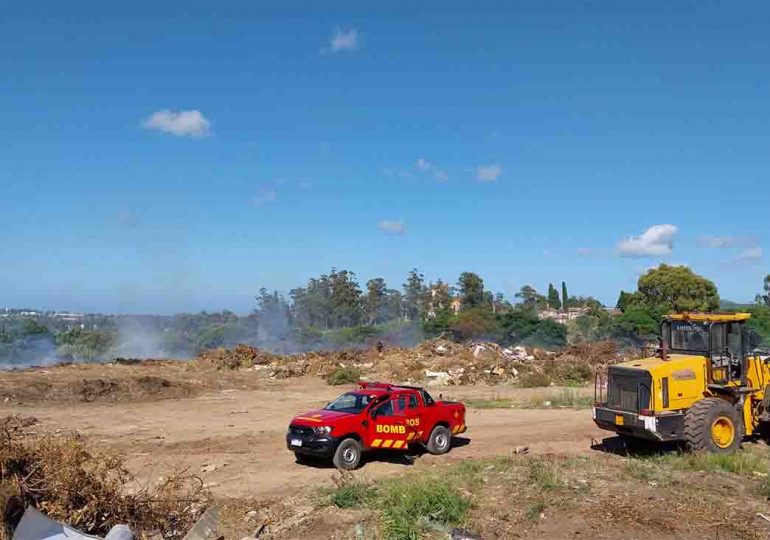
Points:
x=721, y=338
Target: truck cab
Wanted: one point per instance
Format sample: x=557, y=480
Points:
x=376, y=416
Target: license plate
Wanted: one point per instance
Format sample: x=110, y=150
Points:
x=619, y=419
x=296, y=442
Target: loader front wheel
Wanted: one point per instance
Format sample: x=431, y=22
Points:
x=713, y=425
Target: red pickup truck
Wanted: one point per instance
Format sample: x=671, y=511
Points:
x=375, y=416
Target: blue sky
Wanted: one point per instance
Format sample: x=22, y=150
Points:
x=170, y=156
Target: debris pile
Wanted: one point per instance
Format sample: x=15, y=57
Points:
x=433, y=362
x=242, y=356
x=89, y=490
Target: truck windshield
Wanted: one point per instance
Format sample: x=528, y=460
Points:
x=350, y=402
x=689, y=336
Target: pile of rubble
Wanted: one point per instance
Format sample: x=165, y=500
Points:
x=433, y=362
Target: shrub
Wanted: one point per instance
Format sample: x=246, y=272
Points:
x=350, y=494
x=344, y=375
x=409, y=505
x=534, y=379
x=91, y=490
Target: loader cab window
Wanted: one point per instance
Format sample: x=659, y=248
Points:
x=689, y=337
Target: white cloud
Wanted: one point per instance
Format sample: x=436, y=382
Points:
x=423, y=165
x=752, y=254
x=342, y=40
x=488, y=173
x=265, y=196
x=181, y=123
x=717, y=241
x=657, y=240
x=392, y=226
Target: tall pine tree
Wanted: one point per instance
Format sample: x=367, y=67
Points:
x=553, y=297
x=564, y=297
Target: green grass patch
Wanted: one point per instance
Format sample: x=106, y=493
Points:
x=544, y=473
x=567, y=398
x=409, y=506
x=742, y=462
x=534, y=510
x=764, y=488
x=344, y=375
x=350, y=494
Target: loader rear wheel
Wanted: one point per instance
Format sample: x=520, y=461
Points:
x=713, y=425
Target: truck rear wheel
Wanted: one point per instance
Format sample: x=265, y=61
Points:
x=348, y=455
x=440, y=440
x=713, y=425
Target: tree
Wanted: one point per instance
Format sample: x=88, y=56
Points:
x=517, y=325
x=624, y=300
x=345, y=299
x=676, y=288
x=475, y=322
x=553, y=297
x=414, y=295
x=374, y=303
x=273, y=318
x=438, y=298
x=548, y=334
x=530, y=297
x=471, y=288
x=564, y=296
x=764, y=299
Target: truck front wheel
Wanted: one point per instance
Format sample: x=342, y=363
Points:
x=440, y=440
x=348, y=455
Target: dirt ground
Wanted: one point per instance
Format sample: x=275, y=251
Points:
x=235, y=436
x=229, y=428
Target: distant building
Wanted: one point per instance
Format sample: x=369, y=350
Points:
x=70, y=317
x=562, y=317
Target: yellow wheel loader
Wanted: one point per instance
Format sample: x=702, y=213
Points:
x=706, y=386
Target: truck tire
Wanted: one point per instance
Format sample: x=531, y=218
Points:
x=713, y=425
x=440, y=441
x=348, y=455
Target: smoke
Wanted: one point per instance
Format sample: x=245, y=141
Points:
x=31, y=351
x=139, y=337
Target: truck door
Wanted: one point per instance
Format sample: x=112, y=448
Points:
x=388, y=424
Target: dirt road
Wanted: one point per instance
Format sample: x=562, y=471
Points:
x=236, y=436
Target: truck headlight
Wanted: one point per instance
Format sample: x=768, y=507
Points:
x=322, y=430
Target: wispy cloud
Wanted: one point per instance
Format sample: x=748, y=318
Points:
x=425, y=166
x=392, y=226
x=584, y=251
x=752, y=254
x=657, y=240
x=342, y=40
x=721, y=242
x=265, y=196
x=488, y=173
x=180, y=123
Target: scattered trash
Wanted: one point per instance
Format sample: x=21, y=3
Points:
x=206, y=528
x=459, y=534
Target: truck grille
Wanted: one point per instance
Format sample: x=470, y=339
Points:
x=300, y=431
x=628, y=390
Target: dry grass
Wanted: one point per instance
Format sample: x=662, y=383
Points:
x=89, y=490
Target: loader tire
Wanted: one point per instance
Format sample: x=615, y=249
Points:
x=713, y=425
x=440, y=441
x=348, y=455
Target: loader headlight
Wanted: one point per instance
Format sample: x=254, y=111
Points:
x=322, y=430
